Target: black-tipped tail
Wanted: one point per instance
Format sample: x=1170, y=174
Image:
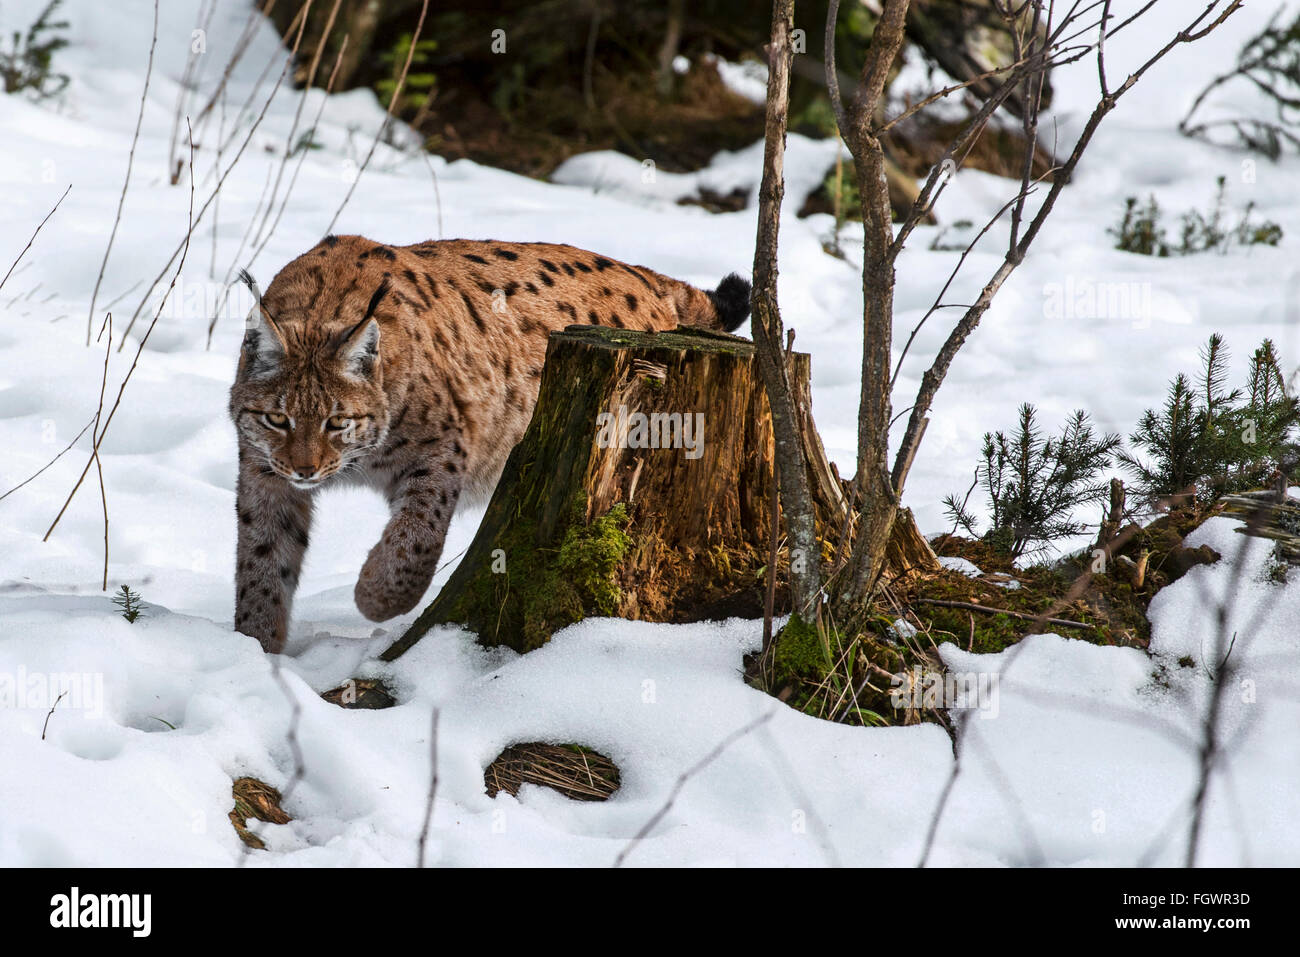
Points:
x=731, y=300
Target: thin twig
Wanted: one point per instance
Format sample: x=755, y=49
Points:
x=216, y=206
x=388, y=118
x=185, y=243
x=433, y=786
x=297, y=115
x=241, y=46
x=37, y=473
x=689, y=773
x=291, y=738
x=34, y=235
x=102, y=430
x=99, y=462
x=46, y=726
x=298, y=18
x=225, y=294
x=130, y=161
x=437, y=195
x=186, y=87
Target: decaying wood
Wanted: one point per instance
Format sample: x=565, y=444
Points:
x=693, y=536
x=1110, y=527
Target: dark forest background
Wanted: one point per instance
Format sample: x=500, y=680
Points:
x=580, y=75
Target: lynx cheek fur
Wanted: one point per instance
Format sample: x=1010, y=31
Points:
x=413, y=370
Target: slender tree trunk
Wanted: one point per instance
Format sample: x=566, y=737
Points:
x=672, y=41
x=877, y=493
x=792, y=467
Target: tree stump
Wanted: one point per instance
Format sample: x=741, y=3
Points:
x=642, y=489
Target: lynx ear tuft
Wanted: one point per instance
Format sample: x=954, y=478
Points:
x=263, y=349
x=360, y=349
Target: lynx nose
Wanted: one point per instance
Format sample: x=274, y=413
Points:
x=304, y=473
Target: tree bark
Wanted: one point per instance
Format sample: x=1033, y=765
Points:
x=590, y=518
x=879, y=494
x=587, y=519
x=766, y=327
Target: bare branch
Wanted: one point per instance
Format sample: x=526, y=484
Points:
x=102, y=430
x=183, y=246
x=34, y=235
x=297, y=115
x=832, y=77
x=67, y=448
x=945, y=92
x=433, y=787
x=934, y=376
x=689, y=773
x=99, y=462
x=388, y=118
x=130, y=161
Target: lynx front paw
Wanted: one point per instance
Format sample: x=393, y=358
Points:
x=390, y=584
x=257, y=621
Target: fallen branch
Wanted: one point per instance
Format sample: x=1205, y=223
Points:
x=971, y=606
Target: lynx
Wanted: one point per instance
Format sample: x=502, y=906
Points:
x=413, y=370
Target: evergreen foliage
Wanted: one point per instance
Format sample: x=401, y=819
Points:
x=129, y=601
x=29, y=65
x=1035, y=484
x=1206, y=440
x=1140, y=231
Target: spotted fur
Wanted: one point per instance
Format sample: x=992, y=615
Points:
x=414, y=370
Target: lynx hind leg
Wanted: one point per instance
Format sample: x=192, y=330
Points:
x=401, y=565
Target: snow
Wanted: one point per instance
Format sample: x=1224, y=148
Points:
x=747, y=78
x=954, y=564
x=1087, y=761
x=606, y=172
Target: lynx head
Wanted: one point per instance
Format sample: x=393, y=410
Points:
x=308, y=397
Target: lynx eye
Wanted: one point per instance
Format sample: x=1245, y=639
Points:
x=337, y=423
x=276, y=420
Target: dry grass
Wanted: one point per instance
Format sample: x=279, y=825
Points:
x=258, y=800
x=576, y=772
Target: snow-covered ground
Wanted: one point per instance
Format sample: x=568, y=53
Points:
x=1080, y=755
